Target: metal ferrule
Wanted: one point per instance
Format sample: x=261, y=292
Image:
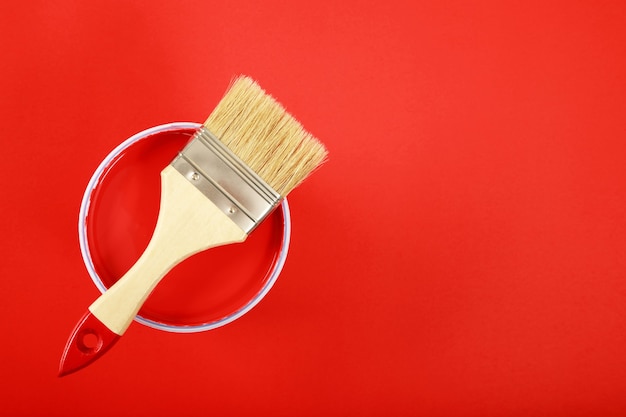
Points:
x=224, y=179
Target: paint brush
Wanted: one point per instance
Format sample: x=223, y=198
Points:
x=249, y=154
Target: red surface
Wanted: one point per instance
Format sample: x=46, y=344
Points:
x=462, y=253
x=89, y=340
x=122, y=215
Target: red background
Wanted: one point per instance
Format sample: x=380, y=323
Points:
x=462, y=254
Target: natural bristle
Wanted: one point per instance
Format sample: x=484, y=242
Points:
x=268, y=139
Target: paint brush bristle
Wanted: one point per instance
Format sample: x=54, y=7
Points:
x=256, y=128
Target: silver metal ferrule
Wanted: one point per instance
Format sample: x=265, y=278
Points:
x=224, y=179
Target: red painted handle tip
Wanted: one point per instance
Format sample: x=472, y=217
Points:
x=89, y=340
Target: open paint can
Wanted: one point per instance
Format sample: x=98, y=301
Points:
x=118, y=215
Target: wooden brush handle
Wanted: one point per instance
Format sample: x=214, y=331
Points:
x=188, y=222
